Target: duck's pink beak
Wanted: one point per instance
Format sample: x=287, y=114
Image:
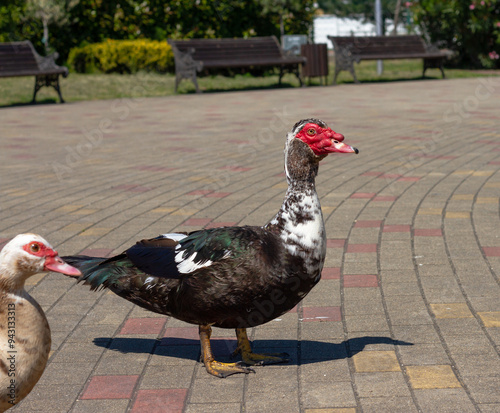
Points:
x=56, y=264
x=341, y=147
x=337, y=144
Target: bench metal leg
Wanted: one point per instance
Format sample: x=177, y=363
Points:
x=337, y=71
x=295, y=70
x=353, y=73
x=441, y=68
x=47, y=80
x=349, y=67
x=190, y=75
x=37, y=88
x=195, y=81
x=434, y=63
x=177, y=81
x=297, y=73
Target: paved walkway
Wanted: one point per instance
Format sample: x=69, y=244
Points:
x=407, y=315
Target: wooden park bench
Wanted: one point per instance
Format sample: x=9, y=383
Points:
x=194, y=55
x=356, y=48
x=21, y=59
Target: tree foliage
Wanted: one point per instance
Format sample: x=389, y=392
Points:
x=49, y=11
x=93, y=21
x=470, y=27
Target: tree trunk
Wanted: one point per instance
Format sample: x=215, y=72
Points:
x=45, y=22
x=396, y=17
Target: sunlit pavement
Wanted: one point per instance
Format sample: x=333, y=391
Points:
x=407, y=314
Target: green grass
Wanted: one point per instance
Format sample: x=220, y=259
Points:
x=77, y=87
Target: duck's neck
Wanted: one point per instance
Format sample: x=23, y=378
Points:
x=299, y=222
x=11, y=279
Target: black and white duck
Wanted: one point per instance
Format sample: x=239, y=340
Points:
x=233, y=277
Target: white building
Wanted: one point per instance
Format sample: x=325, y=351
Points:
x=330, y=25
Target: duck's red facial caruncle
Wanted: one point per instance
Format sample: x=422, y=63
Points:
x=52, y=260
x=323, y=141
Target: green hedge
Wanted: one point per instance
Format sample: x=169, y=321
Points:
x=122, y=56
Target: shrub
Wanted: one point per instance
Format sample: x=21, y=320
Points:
x=470, y=27
x=122, y=56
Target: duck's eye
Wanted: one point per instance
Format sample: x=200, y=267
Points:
x=35, y=247
x=311, y=132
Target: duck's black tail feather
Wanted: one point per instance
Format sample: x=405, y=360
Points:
x=96, y=271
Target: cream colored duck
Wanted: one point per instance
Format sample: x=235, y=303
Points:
x=24, y=331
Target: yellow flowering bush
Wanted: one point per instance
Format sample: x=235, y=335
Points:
x=122, y=56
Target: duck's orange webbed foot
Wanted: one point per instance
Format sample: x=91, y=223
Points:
x=255, y=359
x=217, y=368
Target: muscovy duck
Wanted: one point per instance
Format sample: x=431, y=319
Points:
x=24, y=331
x=233, y=277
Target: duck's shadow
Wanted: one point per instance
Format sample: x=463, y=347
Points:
x=300, y=352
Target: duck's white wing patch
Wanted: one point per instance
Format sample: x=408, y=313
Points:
x=174, y=235
x=187, y=264
x=149, y=283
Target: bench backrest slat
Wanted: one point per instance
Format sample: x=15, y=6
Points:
x=17, y=57
x=371, y=45
x=221, y=49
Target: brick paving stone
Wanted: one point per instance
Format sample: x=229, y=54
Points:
x=110, y=387
x=159, y=377
x=281, y=402
x=220, y=224
x=444, y=400
x=157, y=401
x=335, y=243
x=98, y=406
x=323, y=349
x=423, y=354
x=491, y=251
x=333, y=410
x=432, y=232
x=143, y=326
x=457, y=215
x=323, y=395
x=389, y=404
x=419, y=280
x=213, y=407
x=42, y=398
x=197, y=222
x=327, y=371
x=451, y=310
x=97, y=252
x=401, y=288
x=363, y=195
x=175, y=336
x=363, y=307
x=367, y=224
x=330, y=273
x=374, y=323
x=432, y=377
x=490, y=318
x=319, y=330
x=376, y=361
x=321, y=314
x=396, y=228
x=225, y=390
x=376, y=384
x=384, y=198
x=368, y=280
x=362, y=248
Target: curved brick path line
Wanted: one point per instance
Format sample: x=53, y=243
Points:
x=407, y=314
